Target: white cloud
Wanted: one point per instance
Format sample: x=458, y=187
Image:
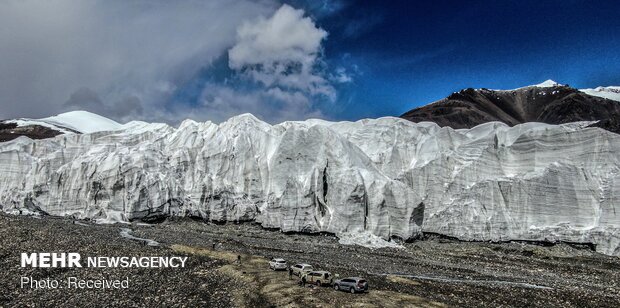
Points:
x=342, y=76
x=274, y=105
x=57, y=52
x=282, y=51
x=294, y=99
x=126, y=59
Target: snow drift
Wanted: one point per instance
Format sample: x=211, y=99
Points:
x=388, y=177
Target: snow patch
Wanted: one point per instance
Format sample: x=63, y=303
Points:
x=366, y=239
x=547, y=84
x=127, y=233
x=112, y=217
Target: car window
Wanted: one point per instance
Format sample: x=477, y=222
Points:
x=282, y=261
x=298, y=266
x=348, y=280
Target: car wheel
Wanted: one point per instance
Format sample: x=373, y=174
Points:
x=336, y=287
x=352, y=290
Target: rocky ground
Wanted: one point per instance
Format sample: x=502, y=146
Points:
x=10, y=131
x=432, y=272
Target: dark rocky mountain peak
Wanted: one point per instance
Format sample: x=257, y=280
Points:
x=548, y=102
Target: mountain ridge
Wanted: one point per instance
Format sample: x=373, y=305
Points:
x=72, y=122
x=549, y=102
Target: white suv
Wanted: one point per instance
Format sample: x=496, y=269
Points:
x=277, y=264
x=301, y=268
x=320, y=278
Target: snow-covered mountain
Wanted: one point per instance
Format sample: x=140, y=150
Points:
x=612, y=93
x=548, y=102
x=545, y=84
x=65, y=123
x=388, y=177
x=73, y=121
x=80, y=121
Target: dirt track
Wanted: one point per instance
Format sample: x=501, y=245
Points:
x=279, y=290
x=434, y=272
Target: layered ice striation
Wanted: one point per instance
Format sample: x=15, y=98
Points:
x=388, y=177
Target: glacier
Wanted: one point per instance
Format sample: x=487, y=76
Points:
x=385, y=177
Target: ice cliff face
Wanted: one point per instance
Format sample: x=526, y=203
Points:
x=389, y=177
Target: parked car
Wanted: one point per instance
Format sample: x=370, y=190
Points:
x=351, y=284
x=301, y=268
x=278, y=264
x=319, y=278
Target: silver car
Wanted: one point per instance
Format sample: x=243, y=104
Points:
x=351, y=284
x=277, y=264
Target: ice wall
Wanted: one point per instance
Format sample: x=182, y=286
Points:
x=388, y=176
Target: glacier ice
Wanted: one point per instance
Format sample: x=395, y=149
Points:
x=388, y=177
x=366, y=239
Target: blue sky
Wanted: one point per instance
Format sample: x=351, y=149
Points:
x=283, y=60
x=414, y=52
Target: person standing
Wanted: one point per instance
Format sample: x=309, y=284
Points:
x=290, y=273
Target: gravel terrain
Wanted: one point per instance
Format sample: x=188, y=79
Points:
x=433, y=272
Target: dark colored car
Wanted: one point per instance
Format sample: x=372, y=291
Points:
x=351, y=284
